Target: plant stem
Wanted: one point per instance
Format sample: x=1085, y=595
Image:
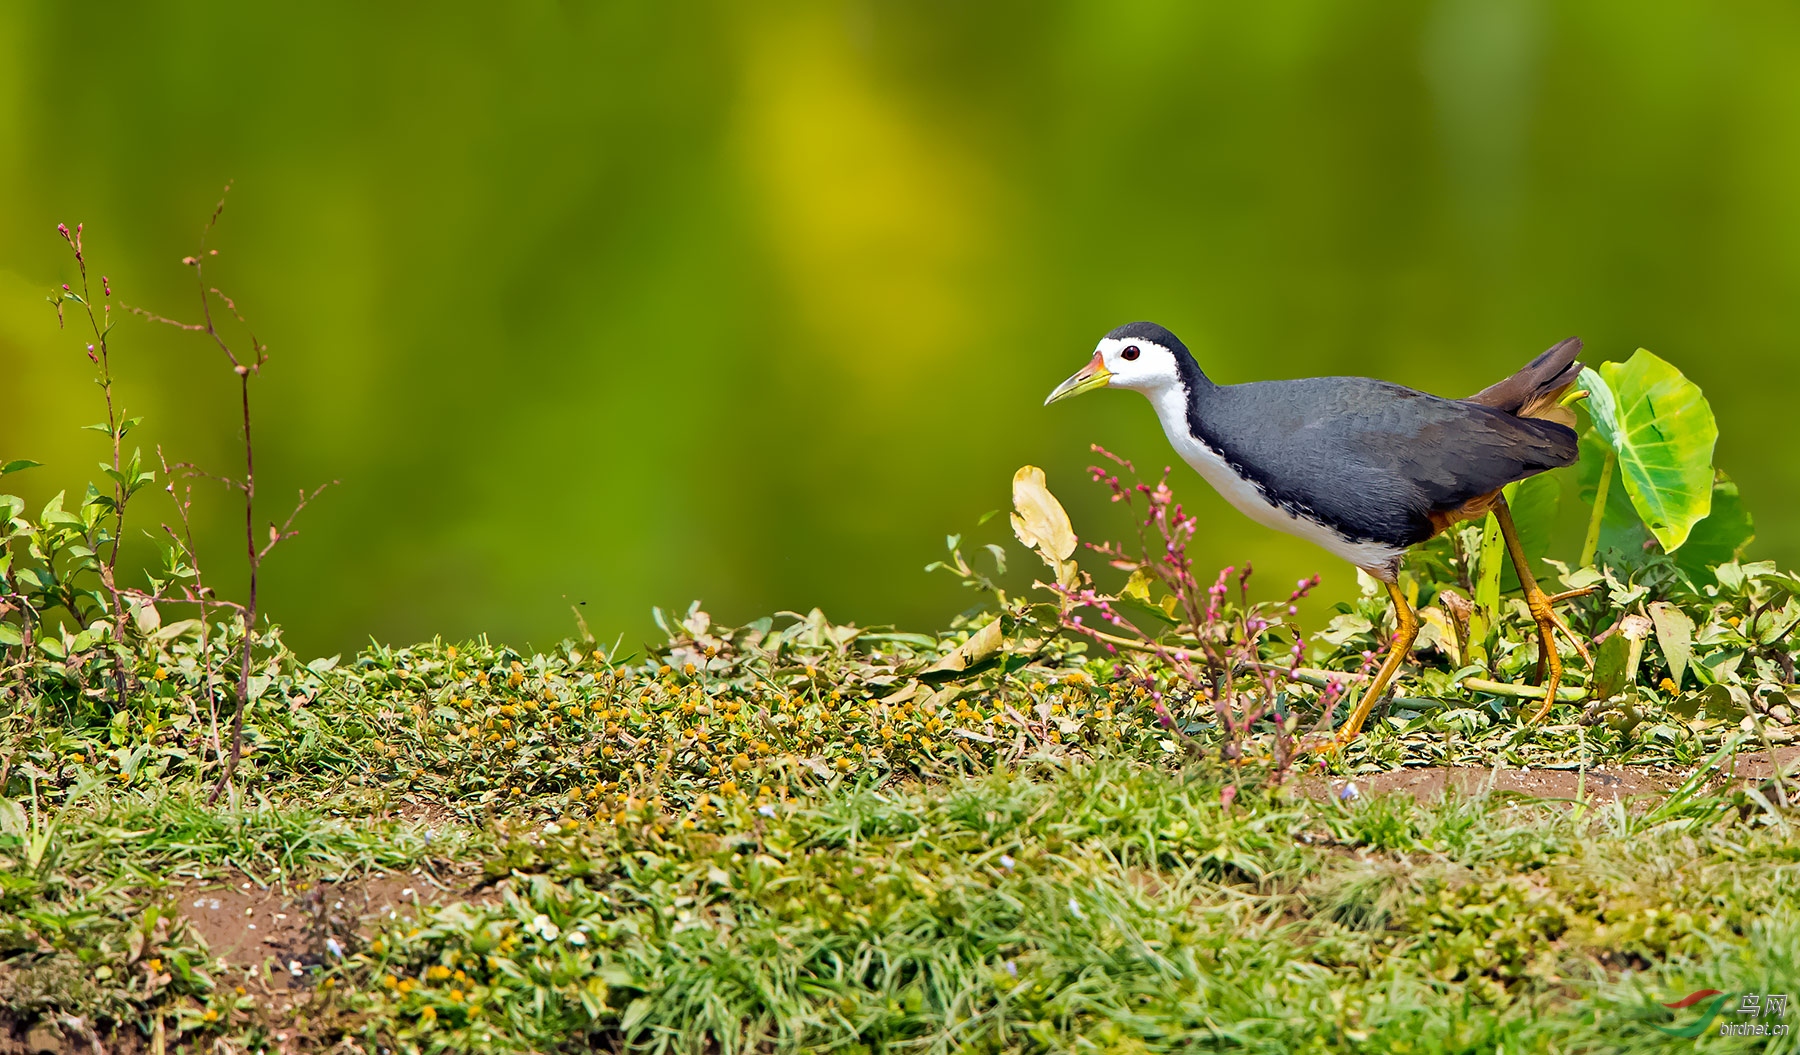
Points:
x=1521, y=692
x=1318, y=679
x=100, y=354
x=243, y=700
x=1590, y=547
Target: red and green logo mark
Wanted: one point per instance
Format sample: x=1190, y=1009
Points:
x=1752, y=1006
x=1706, y=1017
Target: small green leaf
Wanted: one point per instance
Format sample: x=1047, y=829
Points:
x=18, y=466
x=1489, y=566
x=1147, y=617
x=1663, y=431
x=1609, y=667
x=1674, y=637
x=1138, y=586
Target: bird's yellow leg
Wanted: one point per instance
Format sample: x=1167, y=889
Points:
x=1549, y=662
x=1404, y=635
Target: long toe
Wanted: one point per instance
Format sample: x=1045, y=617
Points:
x=1551, y=684
x=1574, y=639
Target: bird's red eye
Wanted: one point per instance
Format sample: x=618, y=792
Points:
x=1130, y=352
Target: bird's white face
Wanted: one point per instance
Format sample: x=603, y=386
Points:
x=1122, y=362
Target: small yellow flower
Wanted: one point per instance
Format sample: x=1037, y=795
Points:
x=155, y=966
x=456, y=994
x=210, y=1016
x=450, y=652
x=1668, y=685
x=162, y=674
x=439, y=972
x=728, y=788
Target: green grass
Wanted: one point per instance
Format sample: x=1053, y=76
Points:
x=1055, y=906
x=805, y=839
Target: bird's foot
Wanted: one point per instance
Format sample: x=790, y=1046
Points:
x=1322, y=744
x=1550, y=665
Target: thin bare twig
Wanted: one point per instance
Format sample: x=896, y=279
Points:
x=244, y=364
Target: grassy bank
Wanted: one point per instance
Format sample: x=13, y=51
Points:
x=798, y=834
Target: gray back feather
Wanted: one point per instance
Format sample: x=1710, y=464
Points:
x=1372, y=459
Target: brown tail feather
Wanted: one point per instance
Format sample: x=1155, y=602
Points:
x=1537, y=390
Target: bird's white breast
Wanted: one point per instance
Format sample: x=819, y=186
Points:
x=1171, y=409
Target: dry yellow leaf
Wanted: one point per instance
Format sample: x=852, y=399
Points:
x=1039, y=519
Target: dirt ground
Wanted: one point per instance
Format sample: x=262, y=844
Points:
x=266, y=939
x=1599, y=784
x=247, y=925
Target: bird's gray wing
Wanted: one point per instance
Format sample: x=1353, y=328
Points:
x=1370, y=458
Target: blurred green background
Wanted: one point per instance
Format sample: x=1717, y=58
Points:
x=631, y=304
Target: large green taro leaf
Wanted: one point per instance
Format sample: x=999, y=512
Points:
x=1663, y=431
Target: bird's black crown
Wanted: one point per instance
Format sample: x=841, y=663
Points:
x=1149, y=331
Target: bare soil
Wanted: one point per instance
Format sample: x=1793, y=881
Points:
x=248, y=925
x=1598, y=784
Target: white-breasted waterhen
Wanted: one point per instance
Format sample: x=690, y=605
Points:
x=1364, y=468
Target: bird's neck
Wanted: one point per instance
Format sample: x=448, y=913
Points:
x=1181, y=404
